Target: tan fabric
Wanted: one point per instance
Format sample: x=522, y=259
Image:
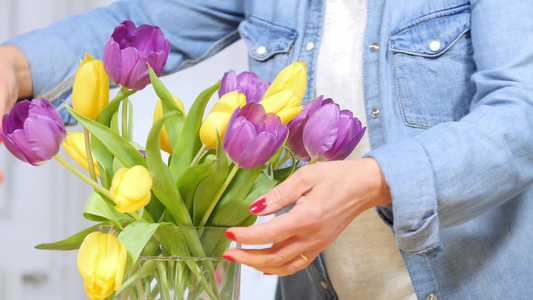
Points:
x=364, y=262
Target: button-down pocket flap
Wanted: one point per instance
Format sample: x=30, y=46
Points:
x=433, y=36
x=264, y=39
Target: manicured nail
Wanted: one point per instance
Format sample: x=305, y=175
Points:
x=229, y=258
x=258, y=206
x=267, y=274
x=230, y=235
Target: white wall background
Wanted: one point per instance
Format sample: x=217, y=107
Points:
x=45, y=204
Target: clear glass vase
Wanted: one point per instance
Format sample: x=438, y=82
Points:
x=183, y=263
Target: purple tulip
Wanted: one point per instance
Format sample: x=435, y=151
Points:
x=322, y=132
x=252, y=136
x=128, y=51
x=245, y=83
x=33, y=131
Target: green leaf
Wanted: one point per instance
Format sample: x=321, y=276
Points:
x=232, y=208
x=189, y=141
x=135, y=236
x=119, y=147
x=208, y=189
x=163, y=184
x=97, y=210
x=174, y=124
x=111, y=108
x=71, y=243
x=190, y=179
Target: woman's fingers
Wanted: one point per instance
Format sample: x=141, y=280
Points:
x=284, y=194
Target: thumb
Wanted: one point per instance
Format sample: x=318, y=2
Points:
x=286, y=193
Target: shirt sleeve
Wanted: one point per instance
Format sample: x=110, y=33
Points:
x=456, y=171
x=196, y=30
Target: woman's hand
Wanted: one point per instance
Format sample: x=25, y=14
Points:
x=15, y=81
x=327, y=197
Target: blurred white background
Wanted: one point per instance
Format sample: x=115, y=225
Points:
x=45, y=204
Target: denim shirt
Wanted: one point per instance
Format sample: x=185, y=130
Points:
x=448, y=88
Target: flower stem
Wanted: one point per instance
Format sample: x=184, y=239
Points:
x=89, y=154
x=281, y=161
x=219, y=194
x=97, y=187
x=125, y=118
x=198, y=155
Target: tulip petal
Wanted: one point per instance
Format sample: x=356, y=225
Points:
x=136, y=75
x=15, y=119
x=88, y=255
x=228, y=83
x=113, y=61
x=321, y=130
x=257, y=152
x=43, y=136
x=17, y=144
x=253, y=112
x=241, y=134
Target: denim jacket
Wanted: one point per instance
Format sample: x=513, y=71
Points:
x=448, y=88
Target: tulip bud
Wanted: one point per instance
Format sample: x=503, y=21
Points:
x=164, y=141
x=74, y=145
x=33, y=131
x=245, y=83
x=217, y=119
x=101, y=261
x=293, y=77
x=324, y=131
x=130, y=49
x=252, y=136
x=90, y=93
x=130, y=189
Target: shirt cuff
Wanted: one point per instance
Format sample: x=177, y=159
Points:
x=413, y=214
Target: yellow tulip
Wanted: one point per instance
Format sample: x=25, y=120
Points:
x=101, y=262
x=90, y=93
x=293, y=77
x=163, y=137
x=74, y=145
x=130, y=189
x=285, y=104
x=217, y=119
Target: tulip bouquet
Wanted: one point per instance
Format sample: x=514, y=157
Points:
x=216, y=168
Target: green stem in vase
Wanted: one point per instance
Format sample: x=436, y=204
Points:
x=218, y=195
x=140, y=289
x=97, y=187
x=163, y=279
x=89, y=154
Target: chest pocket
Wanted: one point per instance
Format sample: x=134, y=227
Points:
x=433, y=64
x=269, y=46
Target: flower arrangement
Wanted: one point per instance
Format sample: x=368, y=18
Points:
x=217, y=166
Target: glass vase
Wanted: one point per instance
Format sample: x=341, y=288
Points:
x=183, y=263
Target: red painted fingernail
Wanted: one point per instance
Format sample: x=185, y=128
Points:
x=267, y=274
x=230, y=235
x=227, y=257
x=258, y=206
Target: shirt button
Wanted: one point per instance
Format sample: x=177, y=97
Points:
x=431, y=297
x=310, y=46
x=375, y=113
x=324, y=285
x=434, y=46
x=261, y=50
x=374, y=47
